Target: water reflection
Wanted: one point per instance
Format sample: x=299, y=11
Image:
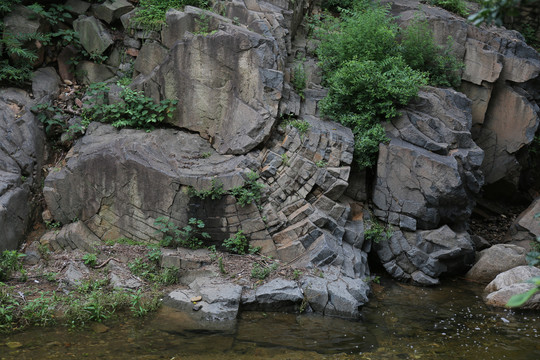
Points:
x=401, y=322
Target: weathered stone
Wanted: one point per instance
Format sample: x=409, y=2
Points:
x=64, y=62
x=111, y=10
x=74, y=274
x=527, y=226
x=220, y=299
x=500, y=297
x=495, y=260
x=480, y=97
x=92, y=72
x=121, y=277
x=279, y=295
x=237, y=105
x=500, y=136
x=515, y=275
x=21, y=158
x=482, y=63
x=423, y=256
x=150, y=56
x=93, y=36
x=77, y=6
x=73, y=236
x=45, y=85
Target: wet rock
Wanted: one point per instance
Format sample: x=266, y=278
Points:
x=500, y=297
x=279, y=295
x=495, y=260
x=220, y=299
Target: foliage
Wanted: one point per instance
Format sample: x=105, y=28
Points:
x=321, y=163
x=261, y=272
x=250, y=192
x=421, y=53
x=90, y=259
x=190, y=236
x=134, y=110
x=151, y=13
x=456, y=6
x=9, y=263
x=301, y=125
x=39, y=311
x=52, y=117
x=376, y=232
x=494, y=11
x=149, y=269
x=520, y=299
x=215, y=192
x=285, y=159
x=299, y=77
x=367, y=76
x=239, y=244
x=335, y=5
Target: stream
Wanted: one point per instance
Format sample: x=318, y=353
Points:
x=401, y=321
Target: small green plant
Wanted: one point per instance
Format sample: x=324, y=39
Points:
x=301, y=125
x=206, y=155
x=456, y=6
x=250, y=192
x=221, y=266
x=299, y=77
x=9, y=263
x=151, y=13
x=51, y=276
x=239, y=244
x=261, y=272
x=90, y=259
x=285, y=159
x=296, y=274
x=215, y=192
x=134, y=110
x=321, y=163
x=376, y=232
x=39, y=311
x=190, y=236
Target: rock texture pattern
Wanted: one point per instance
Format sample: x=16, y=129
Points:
x=499, y=71
x=22, y=149
x=427, y=176
x=513, y=282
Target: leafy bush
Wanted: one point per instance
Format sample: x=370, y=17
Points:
x=335, y=5
x=456, y=6
x=421, y=53
x=151, y=13
x=250, y=192
x=261, y=272
x=215, y=192
x=239, y=244
x=134, y=110
x=190, y=236
x=299, y=77
x=90, y=259
x=376, y=232
x=9, y=263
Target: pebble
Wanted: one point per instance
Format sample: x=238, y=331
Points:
x=197, y=307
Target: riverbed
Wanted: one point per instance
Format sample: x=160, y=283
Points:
x=401, y=321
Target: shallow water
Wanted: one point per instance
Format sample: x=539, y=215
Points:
x=400, y=322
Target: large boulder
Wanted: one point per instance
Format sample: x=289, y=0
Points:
x=94, y=37
x=22, y=151
x=513, y=282
x=227, y=80
x=499, y=71
x=495, y=260
x=527, y=226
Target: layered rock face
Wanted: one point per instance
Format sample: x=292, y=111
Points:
x=500, y=74
x=427, y=176
x=22, y=147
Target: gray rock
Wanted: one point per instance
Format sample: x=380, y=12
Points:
x=279, y=295
x=72, y=236
x=515, y=275
x=428, y=173
x=111, y=10
x=495, y=260
x=527, y=226
x=423, y=256
x=45, y=85
x=237, y=106
x=21, y=158
x=220, y=299
x=93, y=36
x=77, y=6
x=500, y=297
x=74, y=274
x=121, y=277
x=92, y=72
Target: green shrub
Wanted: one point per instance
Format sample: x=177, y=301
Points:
x=40, y=311
x=90, y=259
x=421, y=53
x=261, y=272
x=9, y=263
x=299, y=77
x=134, y=110
x=190, y=236
x=151, y=13
x=335, y=5
x=456, y=6
x=376, y=232
x=215, y=192
x=239, y=244
x=250, y=192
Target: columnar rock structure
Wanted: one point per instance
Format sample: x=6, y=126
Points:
x=228, y=79
x=501, y=77
x=22, y=146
